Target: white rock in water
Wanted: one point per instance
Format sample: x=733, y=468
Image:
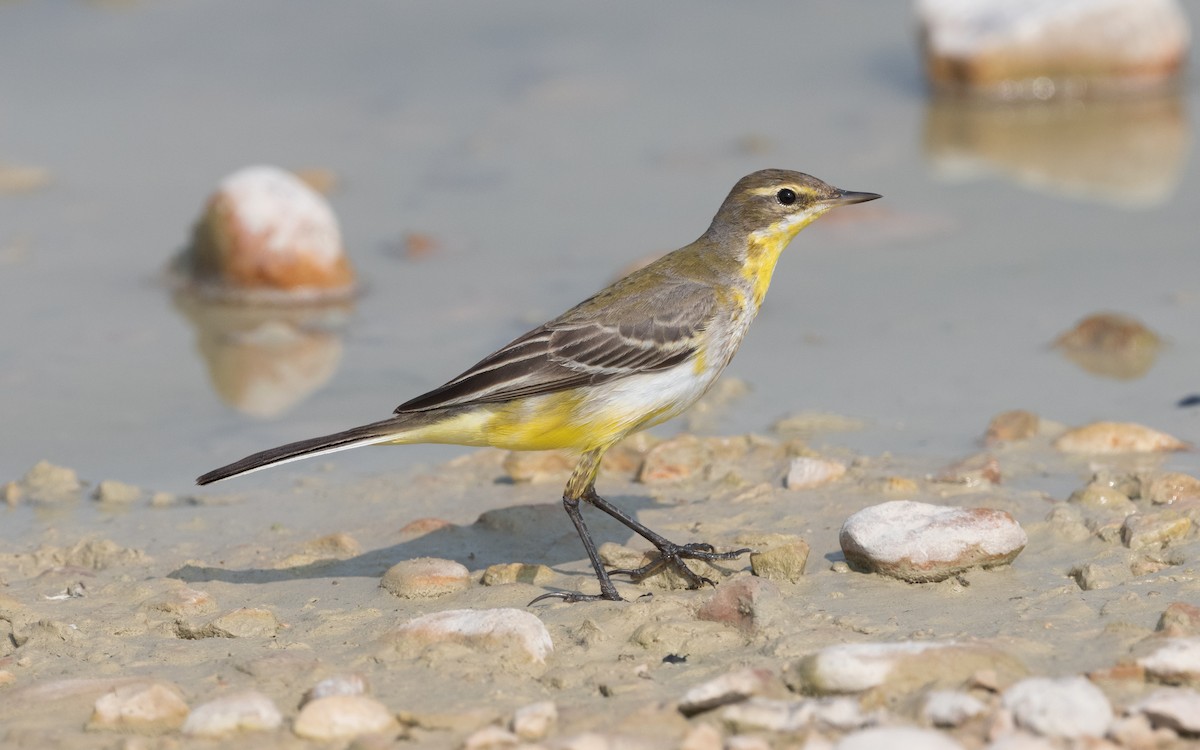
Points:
x=341, y=717
x=922, y=542
x=1059, y=707
x=1177, y=662
x=1174, y=708
x=897, y=738
x=249, y=710
x=483, y=629
x=805, y=473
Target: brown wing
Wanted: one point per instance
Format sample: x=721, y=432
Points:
x=623, y=330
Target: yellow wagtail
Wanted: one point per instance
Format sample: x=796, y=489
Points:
x=630, y=357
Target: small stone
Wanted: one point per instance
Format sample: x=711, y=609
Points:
x=340, y=684
x=1068, y=707
x=1101, y=496
x=240, y=623
x=745, y=603
x=535, y=721
x=922, y=542
x=423, y=526
x=1180, y=619
x=1135, y=731
x=805, y=473
x=183, y=601
x=496, y=631
x=1174, y=708
x=342, y=717
x=7, y=678
x=974, y=471
x=768, y=715
x=951, y=708
x=48, y=483
x=1177, y=662
x=1111, y=345
x=426, y=577
x=504, y=573
x=897, y=738
x=1171, y=487
x=247, y=711
x=141, y=707
x=1011, y=426
x=538, y=467
x=117, y=493
x=781, y=563
x=491, y=738
x=1110, y=438
x=673, y=460
x=339, y=546
x=1067, y=522
x=896, y=485
x=1039, y=49
x=731, y=687
x=265, y=229
x=897, y=668
x=1102, y=574
x=1159, y=528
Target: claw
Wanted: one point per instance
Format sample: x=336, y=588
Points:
x=571, y=597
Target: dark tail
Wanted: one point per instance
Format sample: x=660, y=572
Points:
x=368, y=434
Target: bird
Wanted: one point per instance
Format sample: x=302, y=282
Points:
x=633, y=355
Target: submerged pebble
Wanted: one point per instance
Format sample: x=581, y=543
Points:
x=1068, y=707
x=425, y=577
x=922, y=542
x=1011, y=426
x=1112, y=345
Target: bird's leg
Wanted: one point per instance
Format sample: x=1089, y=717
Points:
x=579, y=487
x=669, y=553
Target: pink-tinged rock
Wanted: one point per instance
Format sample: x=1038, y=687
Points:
x=507, y=630
x=264, y=229
x=425, y=577
x=1171, y=487
x=145, y=708
x=805, y=473
x=1180, y=619
x=897, y=738
x=343, y=717
x=423, y=526
x=1174, y=708
x=534, y=721
x=247, y=711
x=1177, y=662
x=1069, y=707
x=922, y=542
x=745, y=603
x=1108, y=438
x=1012, y=426
x=731, y=687
x=673, y=460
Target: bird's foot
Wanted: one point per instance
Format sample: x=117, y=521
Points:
x=673, y=555
x=571, y=597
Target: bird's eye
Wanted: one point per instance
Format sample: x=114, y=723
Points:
x=786, y=196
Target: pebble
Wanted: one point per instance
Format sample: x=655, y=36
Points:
x=183, y=601
x=538, y=467
x=535, y=721
x=974, y=471
x=425, y=577
x=506, y=630
x=1174, y=708
x=921, y=542
x=1171, y=487
x=1069, y=707
x=142, y=707
x=673, y=460
x=1156, y=528
x=1039, y=49
x=1102, y=496
x=784, y=562
x=504, y=573
x=47, y=483
x=897, y=738
x=1177, y=662
x=731, y=687
x=1011, y=426
x=900, y=666
x=423, y=526
x=1112, y=345
x=341, y=717
x=264, y=229
x=805, y=473
x=1180, y=619
x=950, y=708
x=240, y=623
x=775, y=715
x=246, y=711
x=746, y=603
x=491, y=738
x=340, y=684
x=117, y=493
x=1109, y=438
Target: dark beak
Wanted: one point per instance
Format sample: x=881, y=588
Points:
x=846, y=197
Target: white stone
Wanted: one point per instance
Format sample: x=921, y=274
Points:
x=245, y=711
x=1175, y=708
x=897, y=738
x=1176, y=662
x=340, y=717
x=491, y=738
x=338, y=684
x=855, y=667
x=141, y=707
x=804, y=472
x=950, y=708
x=533, y=722
x=484, y=629
x=923, y=542
x=285, y=213
x=1068, y=707
x=728, y=688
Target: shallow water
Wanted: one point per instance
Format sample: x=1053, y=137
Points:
x=543, y=148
